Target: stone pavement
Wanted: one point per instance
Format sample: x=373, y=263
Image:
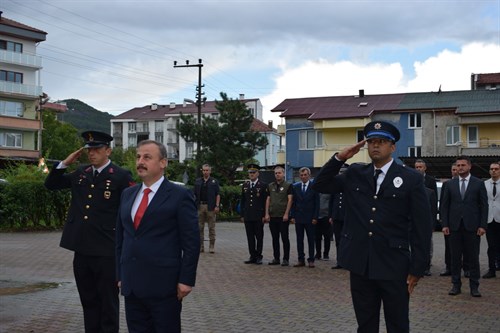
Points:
x=38, y=293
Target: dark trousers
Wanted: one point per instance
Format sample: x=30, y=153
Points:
x=278, y=227
x=323, y=234
x=96, y=282
x=367, y=297
x=337, y=232
x=464, y=243
x=447, y=252
x=153, y=315
x=308, y=228
x=493, y=238
x=255, y=238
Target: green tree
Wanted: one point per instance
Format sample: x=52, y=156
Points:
x=226, y=142
x=58, y=139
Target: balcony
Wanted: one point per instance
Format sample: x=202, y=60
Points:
x=21, y=59
x=13, y=88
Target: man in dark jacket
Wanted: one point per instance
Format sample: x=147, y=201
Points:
x=90, y=228
x=384, y=200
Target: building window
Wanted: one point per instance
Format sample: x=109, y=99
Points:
x=452, y=135
x=414, y=151
x=132, y=127
x=132, y=140
x=159, y=137
x=12, y=109
x=143, y=127
x=11, y=46
x=360, y=135
x=158, y=125
x=472, y=136
x=11, y=139
x=310, y=139
x=414, y=120
x=11, y=76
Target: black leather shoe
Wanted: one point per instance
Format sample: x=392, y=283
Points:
x=250, y=261
x=337, y=267
x=445, y=273
x=475, y=292
x=284, y=262
x=455, y=290
x=490, y=274
x=300, y=264
x=274, y=262
x=258, y=261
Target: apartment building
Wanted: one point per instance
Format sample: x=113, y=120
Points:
x=159, y=122
x=20, y=89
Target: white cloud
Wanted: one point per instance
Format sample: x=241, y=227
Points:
x=449, y=69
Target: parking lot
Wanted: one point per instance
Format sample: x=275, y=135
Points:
x=38, y=292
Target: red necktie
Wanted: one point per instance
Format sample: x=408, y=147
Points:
x=142, y=208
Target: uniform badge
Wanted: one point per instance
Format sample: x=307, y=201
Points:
x=377, y=126
x=107, y=194
x=397, y=182
x=281, y=189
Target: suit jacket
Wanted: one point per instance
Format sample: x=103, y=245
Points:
x=305, y=206
x=473, y=209
x=493, y=202
x=253, y=201
x=385, y=235
x=164, y=250
x=212, y=191
x=430, y=183
x=90, y=225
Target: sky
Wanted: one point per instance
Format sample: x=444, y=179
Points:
x=117, y=55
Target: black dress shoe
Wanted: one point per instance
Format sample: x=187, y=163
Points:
x=284, y=262
x=274, y=262
x=490, y=274
x=475, y=292
x=455, y=290
x=258, y=261
x=337, y=267
x=445, y=273
x=250, y=261
x=300, y=264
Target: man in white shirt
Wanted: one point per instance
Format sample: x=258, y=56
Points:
x=493, y=235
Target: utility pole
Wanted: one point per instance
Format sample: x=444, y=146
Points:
x=199, y=93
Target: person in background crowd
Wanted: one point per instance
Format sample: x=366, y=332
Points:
x=90, y=228
x=430, y=183
x=465, y=213
x=206, y=191
x=304, y=214
x=254, y=195
x=324, y=227
x=278, y=206
x=338, y=214
x=384, y=200
x=493, y=234
x=157, y=245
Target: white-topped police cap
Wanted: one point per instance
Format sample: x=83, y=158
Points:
x=95, y=139
x=381, y=130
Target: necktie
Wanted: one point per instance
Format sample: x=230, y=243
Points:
x=494, y=189
x=142, y=208
x=253, y=185
x=375, y=178
x=96, y=173
x=303, y=187
x=462, y=188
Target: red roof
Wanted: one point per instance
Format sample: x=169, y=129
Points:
x=336, y=107
x=490, y=78
x=15, y=24
x=260, y=126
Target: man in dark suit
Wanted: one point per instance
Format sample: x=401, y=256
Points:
x=304, y=213
x=157, y=245
x=465, y=213
x=254, y=195
x=384, y=201
x=90, y=228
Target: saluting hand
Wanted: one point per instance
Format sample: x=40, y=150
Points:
x=73, y=157
x=349, y=152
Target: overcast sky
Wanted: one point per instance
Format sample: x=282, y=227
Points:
x=117, y=55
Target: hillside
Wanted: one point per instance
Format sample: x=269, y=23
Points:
x=84, y=117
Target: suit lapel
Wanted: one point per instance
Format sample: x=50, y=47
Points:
x=127, y=204
x=160, y=197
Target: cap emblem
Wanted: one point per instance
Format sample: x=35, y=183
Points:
x=378, y=126
x=91, y=138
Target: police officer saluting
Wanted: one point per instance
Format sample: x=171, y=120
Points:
x=386, y=239
x=90, y=228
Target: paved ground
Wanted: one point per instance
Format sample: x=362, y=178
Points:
x=38, y=292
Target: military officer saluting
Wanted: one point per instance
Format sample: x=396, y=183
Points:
x=90, y=227
x=254, y=195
